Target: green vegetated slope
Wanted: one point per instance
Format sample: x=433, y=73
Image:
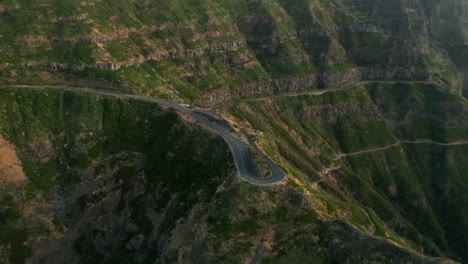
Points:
x=372, y=147
x=212, y=51
x=108, y=180
x=112, y=180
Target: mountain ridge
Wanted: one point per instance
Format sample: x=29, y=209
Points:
x=362, y=103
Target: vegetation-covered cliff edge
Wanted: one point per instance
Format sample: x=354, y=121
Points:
x=362, y=103
x=212, y=51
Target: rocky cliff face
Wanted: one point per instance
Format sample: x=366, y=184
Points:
x=258, y=48
x=447, y=20
x=376, y=171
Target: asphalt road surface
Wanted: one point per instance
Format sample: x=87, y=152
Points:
x=240, y=150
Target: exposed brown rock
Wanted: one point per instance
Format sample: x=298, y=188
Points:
x=11, y=171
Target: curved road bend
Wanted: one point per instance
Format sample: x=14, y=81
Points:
x=240, y=150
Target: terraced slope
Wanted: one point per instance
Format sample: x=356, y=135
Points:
x=377, y=169
x=211, y=52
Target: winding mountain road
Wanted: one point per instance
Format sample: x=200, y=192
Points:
x=315, y=92
x=400, y=142
x=341, y=155
x=240, y=150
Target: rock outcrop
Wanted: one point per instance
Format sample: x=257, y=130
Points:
x=376, y=171
x=280, y=47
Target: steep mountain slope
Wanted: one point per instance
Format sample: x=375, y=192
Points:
x=109, y=180
x=376, y=153
x=105, y=178
x=399, y=150
x=210, y=52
